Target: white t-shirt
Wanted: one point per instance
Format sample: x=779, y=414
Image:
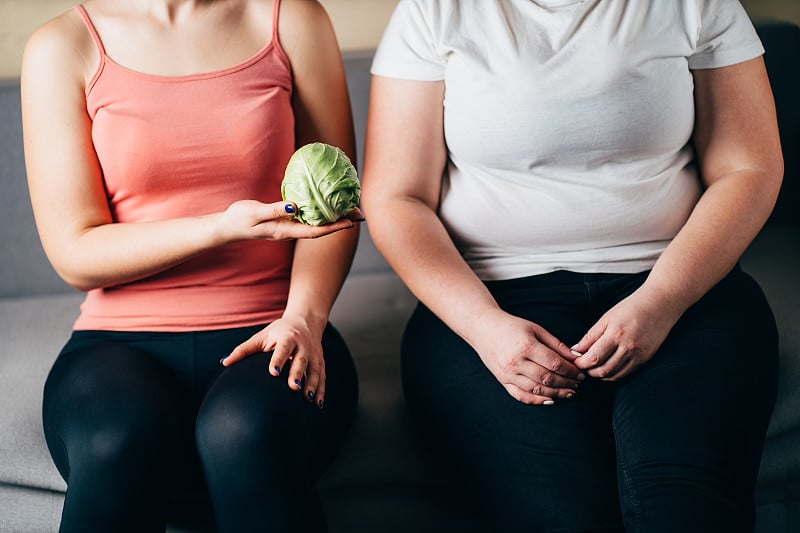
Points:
x=567, y=122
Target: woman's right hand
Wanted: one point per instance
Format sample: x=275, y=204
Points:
x=531, y=364
x=250, y=219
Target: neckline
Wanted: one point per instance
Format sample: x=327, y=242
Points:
x=556, y=3
x=105, y=59
x=194, y=76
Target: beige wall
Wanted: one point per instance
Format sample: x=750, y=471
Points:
x=358, y=23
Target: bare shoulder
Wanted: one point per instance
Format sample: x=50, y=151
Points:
x=304, y=25
x=62, y=47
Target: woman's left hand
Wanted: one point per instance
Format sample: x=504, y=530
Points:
x=296, y=352
x=625, y=337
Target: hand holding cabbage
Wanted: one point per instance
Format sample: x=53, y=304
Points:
x=322, y=183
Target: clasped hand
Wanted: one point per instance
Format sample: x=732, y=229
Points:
x=537, y=368
x=531, y=364
x=625, y=337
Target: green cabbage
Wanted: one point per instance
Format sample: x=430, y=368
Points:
x=322, y=182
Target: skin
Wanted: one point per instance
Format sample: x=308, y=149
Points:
x=89, y=251
x=738, y=147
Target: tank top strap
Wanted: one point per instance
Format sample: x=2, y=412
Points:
x=276, y=9
x=92, y=30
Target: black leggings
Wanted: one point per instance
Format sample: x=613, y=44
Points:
x=136, y=422
x=673, y=448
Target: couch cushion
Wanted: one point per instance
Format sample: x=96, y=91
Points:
x=24, y=269
x=33, y=330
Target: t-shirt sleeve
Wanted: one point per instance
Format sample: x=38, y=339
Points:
x=726, y=35
x=408, y=48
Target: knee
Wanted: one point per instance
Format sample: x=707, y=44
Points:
x=234, y=424
x=140, y=428
x=682, y=496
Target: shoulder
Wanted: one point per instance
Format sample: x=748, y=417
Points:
x=61, y=48
x=302, y=19
x=305, y=31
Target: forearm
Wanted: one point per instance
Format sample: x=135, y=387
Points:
x=724, y=222
x=739, y=157
x=116, y=253
x=424, y=256
x=319, y=269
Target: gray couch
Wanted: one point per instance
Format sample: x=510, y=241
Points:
x=383, y=481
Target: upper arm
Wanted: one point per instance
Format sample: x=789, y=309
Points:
x=735, y=125
x=321, y=101
x=64, y=177
x=405, y=147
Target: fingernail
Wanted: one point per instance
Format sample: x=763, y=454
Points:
x=222, y=361
x=311, y=395
x=549, y=402
x=570, y=395
x=576, y=354
x=581, y=377
x=289, y=208
x=297, y=382
x=321, y=404
x=277, y=370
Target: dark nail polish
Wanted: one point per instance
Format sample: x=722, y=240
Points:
x=311, y=395
x=277, y=369
x=321, y=404
x=289, y=208
x=222, y=360
x=297, y=382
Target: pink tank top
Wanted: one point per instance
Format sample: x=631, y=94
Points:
x=175, y=146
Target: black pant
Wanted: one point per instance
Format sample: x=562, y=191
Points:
x=136, y=422
x=675, y=447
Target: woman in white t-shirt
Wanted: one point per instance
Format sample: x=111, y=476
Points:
x=567, y=187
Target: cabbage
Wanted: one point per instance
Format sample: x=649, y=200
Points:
x=322, y=182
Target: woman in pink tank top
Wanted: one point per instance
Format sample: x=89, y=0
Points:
x=156, y=135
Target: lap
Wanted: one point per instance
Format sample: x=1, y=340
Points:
x=528, y=466
x=713, y=376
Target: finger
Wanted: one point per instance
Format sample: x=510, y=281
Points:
x=277, y=210
x=538, y=389
x=552, y=361
x=594, y=333
x=356, y=215
x=333, y=227
x=312, y=382
x=297, y=372
x=281, y=354
x=544, y=376
x=320, y=396
x=298, y=230
x=527, y=397
x=621, y=363
x=552, y=342
x=561, y=353
x=599, y=352
x=249, y=347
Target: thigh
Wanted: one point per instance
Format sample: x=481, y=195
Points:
x=115, y=424
x=249, y=397
x=262, y=444
x=690, y=425
x=533, y=468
